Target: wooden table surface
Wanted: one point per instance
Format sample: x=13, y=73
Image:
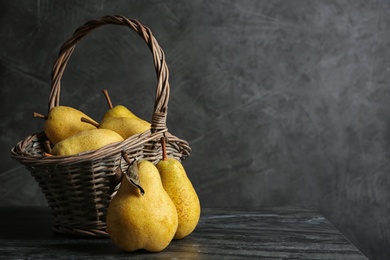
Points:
x=264, y=233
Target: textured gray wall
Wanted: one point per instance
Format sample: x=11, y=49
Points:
x=283, y=102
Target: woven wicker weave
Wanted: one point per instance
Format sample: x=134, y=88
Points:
x=79, y=188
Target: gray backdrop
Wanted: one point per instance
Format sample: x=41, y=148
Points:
x=282, y=102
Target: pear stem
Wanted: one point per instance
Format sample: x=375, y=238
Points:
x=126, y=157
x=38, y=115
x=47, y=146
x=105, y=92
x=86, y=120
x=164, y=148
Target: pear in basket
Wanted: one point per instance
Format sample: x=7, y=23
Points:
x=137, y=220
x=122, y=120
x=117, y=111
x=63, y=122
x=87, y=140
x=181, y=191
x=120, y=111
x=125, y=126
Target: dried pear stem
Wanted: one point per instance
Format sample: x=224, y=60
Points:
x=126, y=157
x=164, y=148
x=86, y=120
x=38, y=115
x=105, y=92
x=47, y=146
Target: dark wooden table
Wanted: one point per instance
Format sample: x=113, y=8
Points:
x=265, y=233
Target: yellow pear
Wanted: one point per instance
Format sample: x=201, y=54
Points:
x=117, y=111
x=120, y=111
x=135, y=221
x=125, y=126
x=63, y=122
x=87, y=140
x=182, y=193
x=121, y=120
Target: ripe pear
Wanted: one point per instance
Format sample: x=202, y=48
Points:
x=120, y=111
x=135, y=221
x=121, y=120
x=125, y=126
x=117, y=111
x=63, y=122
x=87, y=140
x=182, y=193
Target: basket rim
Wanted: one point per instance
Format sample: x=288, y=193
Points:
x=19, y=153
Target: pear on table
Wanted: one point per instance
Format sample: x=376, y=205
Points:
x=136, y=221
x=180, y=189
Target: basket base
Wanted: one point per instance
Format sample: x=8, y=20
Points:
x=80, y=232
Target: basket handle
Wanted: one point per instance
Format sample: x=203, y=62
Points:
x=162, y=91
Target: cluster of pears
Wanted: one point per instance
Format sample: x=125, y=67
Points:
x=163, y=207
x=166, y=208
x=71, y=131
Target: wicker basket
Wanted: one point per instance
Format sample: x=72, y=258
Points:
x=79, y=188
